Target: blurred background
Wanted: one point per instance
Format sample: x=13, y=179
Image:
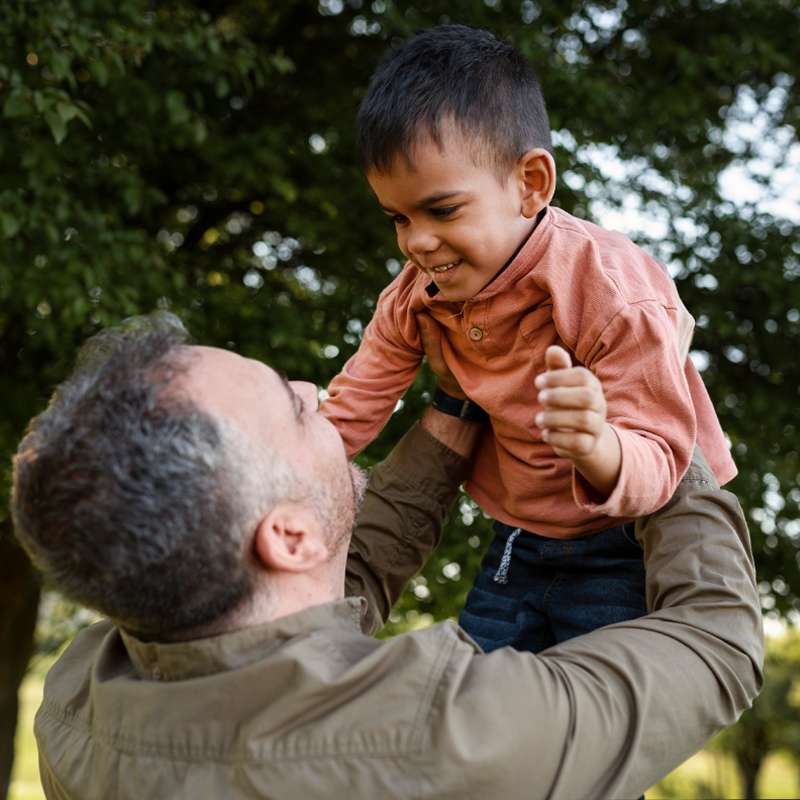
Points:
x=198, y=156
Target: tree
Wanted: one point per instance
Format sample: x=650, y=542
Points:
x=199, y=156
x=773, y=723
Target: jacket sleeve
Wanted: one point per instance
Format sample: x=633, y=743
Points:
x=363, y=395
x=607, y=714
x=400, y=521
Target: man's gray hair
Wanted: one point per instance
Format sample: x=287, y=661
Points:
x=131, y=499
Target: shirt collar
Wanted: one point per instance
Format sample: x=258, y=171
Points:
x=172, y=661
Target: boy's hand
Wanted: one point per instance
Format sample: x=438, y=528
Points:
x=574, y=406
x=431, y=335
x=573, y=420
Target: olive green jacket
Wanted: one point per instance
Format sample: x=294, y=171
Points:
x=310, y=706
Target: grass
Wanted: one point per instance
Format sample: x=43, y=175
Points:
x=25, y=777
x=710, y=774
x=706, y=775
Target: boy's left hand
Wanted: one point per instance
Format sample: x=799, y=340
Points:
x=574, y=414
x=573, y=420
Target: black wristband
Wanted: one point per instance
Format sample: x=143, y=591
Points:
x=463, y=409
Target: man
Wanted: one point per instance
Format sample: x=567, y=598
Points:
x=203, y=504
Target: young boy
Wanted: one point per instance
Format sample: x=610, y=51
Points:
x=455, y=142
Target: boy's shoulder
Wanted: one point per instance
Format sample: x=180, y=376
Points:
x=608, y=256
x=406, y=291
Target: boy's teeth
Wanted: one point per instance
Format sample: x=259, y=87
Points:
x=445, y=267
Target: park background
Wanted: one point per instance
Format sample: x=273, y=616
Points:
x=199, y=157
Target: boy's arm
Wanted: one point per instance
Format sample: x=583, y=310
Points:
x=363, y=395
x=627, y=419
x=607, y=714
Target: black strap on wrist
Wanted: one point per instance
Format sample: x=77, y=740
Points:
x=455, y=407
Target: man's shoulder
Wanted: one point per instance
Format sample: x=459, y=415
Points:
x=321, y=709
x=353, y=682
x=71, y=671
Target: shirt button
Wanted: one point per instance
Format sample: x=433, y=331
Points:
x=476, y=334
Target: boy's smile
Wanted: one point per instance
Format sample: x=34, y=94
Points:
x=455, y=220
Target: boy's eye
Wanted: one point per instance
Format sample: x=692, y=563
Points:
x=399, y=219
x=442, y=211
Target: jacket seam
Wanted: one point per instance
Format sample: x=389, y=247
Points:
x=125, y=745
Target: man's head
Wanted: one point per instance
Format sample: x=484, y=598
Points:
x=454, y=138
x=172, y=487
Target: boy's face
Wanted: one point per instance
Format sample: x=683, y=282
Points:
x=455, y=220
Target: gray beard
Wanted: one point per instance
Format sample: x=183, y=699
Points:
x=358, y=479
x=336, y=510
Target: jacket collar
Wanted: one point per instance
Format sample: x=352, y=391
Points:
x=172, y=661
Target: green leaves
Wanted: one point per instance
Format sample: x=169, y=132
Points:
x=177, y=108
x=17, y=104
x=9, y=224
x=162, y=154
x=55, y=106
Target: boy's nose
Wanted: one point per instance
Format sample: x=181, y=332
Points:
x=420, y=242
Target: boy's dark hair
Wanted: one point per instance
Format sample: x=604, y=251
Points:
x=452, y=72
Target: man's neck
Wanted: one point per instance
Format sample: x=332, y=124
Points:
x=282, y=594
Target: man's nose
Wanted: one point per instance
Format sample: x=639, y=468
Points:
x=308, y=393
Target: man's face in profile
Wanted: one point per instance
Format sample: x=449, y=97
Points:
x=280, y=418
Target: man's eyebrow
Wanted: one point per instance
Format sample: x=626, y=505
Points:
x=293, y=398
x=432, y=199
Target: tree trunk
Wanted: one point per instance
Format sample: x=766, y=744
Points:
x=749, y=771
x=19, y=601
x=750, y=785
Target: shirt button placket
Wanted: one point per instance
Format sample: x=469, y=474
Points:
x=475, y=333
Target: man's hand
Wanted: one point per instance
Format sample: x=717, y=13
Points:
x=457, y=434
x=431, y=335
x=574, y=423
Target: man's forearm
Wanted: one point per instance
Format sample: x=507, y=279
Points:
x=607, y=714
x=457, y=434
x=407, y=499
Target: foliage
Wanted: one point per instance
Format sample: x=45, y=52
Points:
x=199, y=155
x=773, y=723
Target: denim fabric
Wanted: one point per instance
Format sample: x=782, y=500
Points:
x=550, y=590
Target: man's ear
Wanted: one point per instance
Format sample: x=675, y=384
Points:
x=536, y=173
x=290, y=539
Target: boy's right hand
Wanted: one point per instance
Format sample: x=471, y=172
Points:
x=573, y=420
x=431, y=335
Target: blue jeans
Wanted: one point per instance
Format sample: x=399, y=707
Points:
x=533, y=592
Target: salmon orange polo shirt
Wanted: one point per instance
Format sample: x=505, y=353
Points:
x=615, y=309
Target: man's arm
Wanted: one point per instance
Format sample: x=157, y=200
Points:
x=608, y=714
x=407, y=499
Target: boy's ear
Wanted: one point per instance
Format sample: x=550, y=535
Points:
x=290, y=539
x=536, y=173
